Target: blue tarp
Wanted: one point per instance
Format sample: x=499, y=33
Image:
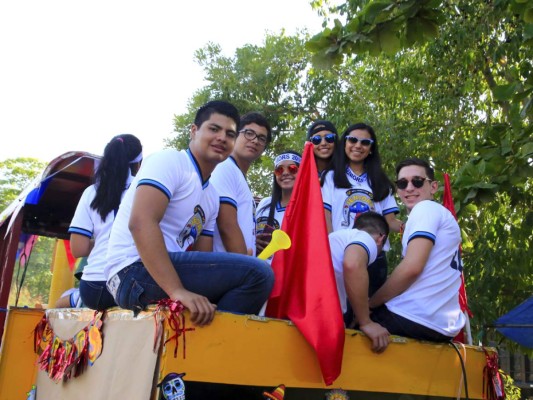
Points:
x=517, y=324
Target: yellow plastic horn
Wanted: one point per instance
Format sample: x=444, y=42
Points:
x=280, y=241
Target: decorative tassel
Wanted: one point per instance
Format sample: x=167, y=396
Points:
x=176, y=321
x=493, y=388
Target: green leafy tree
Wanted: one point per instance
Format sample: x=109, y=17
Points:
x=457, y=93
x=15, y=175
x=472, y=115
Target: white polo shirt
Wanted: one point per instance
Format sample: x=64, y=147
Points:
x=338, y=243
x=191, y=211
x=89, y=223
x=433, y=299
x=344, y=204
x=233, y=189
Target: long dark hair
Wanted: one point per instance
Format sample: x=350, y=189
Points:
x=378, y=180
x=276, y=193
x=113, y=171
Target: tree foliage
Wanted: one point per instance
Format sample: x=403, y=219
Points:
x=15, y=175
x=448, y=81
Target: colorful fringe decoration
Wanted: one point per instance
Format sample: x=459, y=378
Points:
x=176, y=321
x=62, y=359
x=493, y=388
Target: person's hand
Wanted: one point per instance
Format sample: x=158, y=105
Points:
x=261, y=241
x=378, y=334
x=201, y=309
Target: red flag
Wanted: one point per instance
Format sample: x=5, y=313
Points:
x=305, y=290
x=447, y=201
x=70, y=258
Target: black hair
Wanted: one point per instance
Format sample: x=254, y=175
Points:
x=430, y=172
x=372, y=223
x=216, y=107
x=113, y=171
x=276, y=193
x=319, y=126
x=378, y=180
x=259, y=119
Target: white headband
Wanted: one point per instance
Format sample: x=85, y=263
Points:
x=137, y=159
x=287, y=157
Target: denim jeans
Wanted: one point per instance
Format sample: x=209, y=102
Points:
x=398, y=325
x=94, y=295
x=234, y=282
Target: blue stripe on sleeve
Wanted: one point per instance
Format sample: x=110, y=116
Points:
x=364, y=246
x=155, y=184
x=80, y=231
x=205, y=232
x=228, y=200
x=327, y=206
x=392, y=210
x=422, y=234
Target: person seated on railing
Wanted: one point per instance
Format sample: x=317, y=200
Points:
x=235, y=227
x=170, y=208
x=95, y=213
x=420, y=298
x=71, y=298
x=352, y=250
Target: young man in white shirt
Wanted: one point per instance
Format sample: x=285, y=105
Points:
x=235, y=227
x=421, y=297
x=352, y=251
x=171, y=208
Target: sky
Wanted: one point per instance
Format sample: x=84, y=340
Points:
x=75, y=73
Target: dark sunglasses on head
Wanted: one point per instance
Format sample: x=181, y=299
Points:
x=417, y=182
x=317, y=139
x=292, y=169
x=354, y=140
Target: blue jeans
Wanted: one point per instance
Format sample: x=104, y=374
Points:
x=398, y=325
x=94, y=295
x=234, y=282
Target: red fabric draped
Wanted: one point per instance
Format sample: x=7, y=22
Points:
x=305, y=290
x=447, y=201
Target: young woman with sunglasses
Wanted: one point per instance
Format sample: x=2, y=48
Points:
x=324, y=137
x=358, y=184
x=271, y=210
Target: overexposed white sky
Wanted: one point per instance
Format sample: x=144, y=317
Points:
x=75, y=73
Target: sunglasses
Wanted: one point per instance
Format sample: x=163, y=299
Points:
x=292, y=169
x=317, y=139
x=417, y=182
x=354, y=140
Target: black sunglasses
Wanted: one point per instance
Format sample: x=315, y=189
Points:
x=354, y=140
x=417, y=182
x=317, y=139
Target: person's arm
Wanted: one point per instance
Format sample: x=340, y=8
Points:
x=405, y=273
x=394, y=223
x=204, y=243
x=63, y=302
x=229, y=229
x=148, y=209
x=80, y=245
x=329, y=224
x=355, y=272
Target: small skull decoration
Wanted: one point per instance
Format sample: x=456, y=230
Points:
x=173, y=387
